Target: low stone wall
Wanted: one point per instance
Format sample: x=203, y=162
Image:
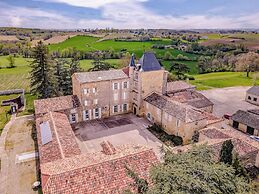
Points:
x=8, y=92
x=20, y=101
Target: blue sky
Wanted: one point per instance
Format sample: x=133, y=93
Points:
x=173, y=14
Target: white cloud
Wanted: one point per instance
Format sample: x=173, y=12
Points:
x=91, y=3
x=120, y=15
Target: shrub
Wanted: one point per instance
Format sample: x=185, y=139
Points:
x=177, y=140
x=164, y=137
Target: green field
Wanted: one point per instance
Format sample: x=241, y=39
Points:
x=4, y=116
x=222, y=79
x=14, y=78
x=88, y=43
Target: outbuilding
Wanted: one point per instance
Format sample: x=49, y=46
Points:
x=252, y=95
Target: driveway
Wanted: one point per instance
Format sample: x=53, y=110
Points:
x=228, y=100
x=19, y=172
x=119, y=130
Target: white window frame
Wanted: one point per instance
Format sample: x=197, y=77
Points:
x=127, y=85
x=149, y=116
x=98, y=113
x=86, y=91
x=123, y=107
x=114, y=108
x=94, y=90
x=73, y=118
x=86, y=102
x=86, y=113
x=116, y=84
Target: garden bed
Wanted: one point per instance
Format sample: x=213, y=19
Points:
x=169, y=140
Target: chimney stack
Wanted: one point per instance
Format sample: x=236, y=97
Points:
x=107, y=148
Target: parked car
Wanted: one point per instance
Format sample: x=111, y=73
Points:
x=254, y=137
x=226, y=116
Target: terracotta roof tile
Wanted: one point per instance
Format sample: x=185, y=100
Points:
x=98, y=173
x=63, y=142
x=192, y=98
x=94, y=76
x=177, y=86
x=181, y=111
x=56, y=104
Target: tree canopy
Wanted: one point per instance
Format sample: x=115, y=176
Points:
x=100, y=65
x=195, y=172
x=248, y=62
x=42, y=73
x=179, y=69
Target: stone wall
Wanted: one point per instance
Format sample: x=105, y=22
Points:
x=172, y=125
x=254, y=99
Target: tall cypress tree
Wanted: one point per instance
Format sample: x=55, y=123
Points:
x=226, y=155
x=63, y=77
x=75, y=63
x=42, y=74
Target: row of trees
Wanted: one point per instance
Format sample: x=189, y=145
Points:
x=21, y=48
x=211, y=50
x=246, y=62
x=70, y=52
x=168, y=56
x=196, y=172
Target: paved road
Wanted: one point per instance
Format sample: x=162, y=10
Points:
x=228, y=100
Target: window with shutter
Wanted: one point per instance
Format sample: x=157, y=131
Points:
x=115, y=108
x=115, y=86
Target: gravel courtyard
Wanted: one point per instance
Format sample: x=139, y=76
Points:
x=118, y=130
x=228, y=100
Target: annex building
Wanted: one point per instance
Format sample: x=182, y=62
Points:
x=141, y=89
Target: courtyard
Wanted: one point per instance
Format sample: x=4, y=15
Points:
x=228, y=100
x=118, y=130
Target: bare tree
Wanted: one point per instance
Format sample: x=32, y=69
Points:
x=248, y=62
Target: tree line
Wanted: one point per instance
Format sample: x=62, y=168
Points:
x=245, y=62
x=195, y=171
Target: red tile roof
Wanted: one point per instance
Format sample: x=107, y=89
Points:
x=56, y=104
x=63, y=142
x=245, y=147
x=97, y=172
x=64, y=169
x=177, y=86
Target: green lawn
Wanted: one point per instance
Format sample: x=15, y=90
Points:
x=4, y=112
x=88, y=43
x=222, y=79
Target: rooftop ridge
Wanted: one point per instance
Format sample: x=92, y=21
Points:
x=89, y=159
x=56, y=133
